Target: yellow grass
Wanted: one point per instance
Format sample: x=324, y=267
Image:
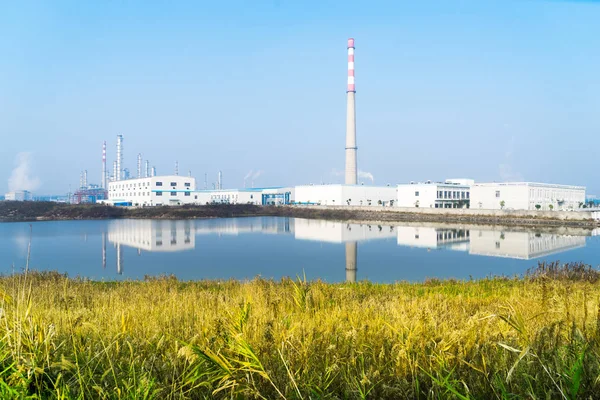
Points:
x=496, y=338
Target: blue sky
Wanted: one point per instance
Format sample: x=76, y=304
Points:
x=491, y=90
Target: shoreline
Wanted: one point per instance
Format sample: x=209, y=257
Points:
x=45, y=211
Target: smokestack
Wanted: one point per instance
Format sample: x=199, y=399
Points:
x=114, y=177
x=80, y=179
x=177, y=168
x=85, y=184
x=189, y=173
x=139, y=165
x=205, y=181
x=351, y=167
x=103, y=181
x=220, y=180
x=119, y=174
x=147, y=168
x=153, y=171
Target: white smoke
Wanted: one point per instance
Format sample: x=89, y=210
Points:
x=248, y=175
x=366, y=175
x=505, y=169
x=361, y=174
x=257, y=174
x=20, y=178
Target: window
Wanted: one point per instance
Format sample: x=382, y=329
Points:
x=462, y=195
x=436, y=206
x=173, y=183
x=187, y=193
x=187, y=184
x=417, y=194
x=195, y=197
x=251, y=196
x=173, y=193
x=445, y=194
x=497, y=193
x=468, y=195
x=158, y=183
x=159, y=193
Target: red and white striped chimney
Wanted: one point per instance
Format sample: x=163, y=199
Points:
x=351, y=87
x=351, y=149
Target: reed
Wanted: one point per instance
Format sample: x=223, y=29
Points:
x=536, y=337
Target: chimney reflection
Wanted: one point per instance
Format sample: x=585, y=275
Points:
x=351, y=253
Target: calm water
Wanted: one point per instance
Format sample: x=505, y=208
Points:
x=272, y=247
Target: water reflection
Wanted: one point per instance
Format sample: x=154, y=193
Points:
x=178, y=236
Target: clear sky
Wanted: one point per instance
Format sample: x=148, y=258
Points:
x=489, y=90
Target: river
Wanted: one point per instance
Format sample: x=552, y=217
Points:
x=274, y=247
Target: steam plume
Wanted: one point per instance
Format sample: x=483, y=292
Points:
x=20, y=178
x=367, y=175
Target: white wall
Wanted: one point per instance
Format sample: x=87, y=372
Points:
x=354, y=195
x=425, y=195
x=152, y=191
x=526, y=195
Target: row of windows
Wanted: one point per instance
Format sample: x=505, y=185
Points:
x=173, y=193
x=145, y=184
x=186, y=184
x=449, y=194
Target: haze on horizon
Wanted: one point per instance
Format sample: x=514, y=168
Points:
x=503, y=90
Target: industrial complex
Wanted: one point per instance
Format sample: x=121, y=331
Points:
x=145, y=188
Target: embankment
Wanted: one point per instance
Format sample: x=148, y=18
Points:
x=45, y=211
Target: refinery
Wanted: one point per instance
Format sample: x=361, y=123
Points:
x=144, y=187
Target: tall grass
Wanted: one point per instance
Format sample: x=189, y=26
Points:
x=63, y=338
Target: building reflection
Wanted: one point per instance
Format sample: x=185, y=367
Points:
x=434, y=238
x=174, y=236
x=521, y=245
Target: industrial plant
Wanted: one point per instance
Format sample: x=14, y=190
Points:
x=143, y=187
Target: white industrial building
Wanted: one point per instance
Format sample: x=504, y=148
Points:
x=526, y=196
x=256, y=196
x=453, y=193
x=152, y=191
x=21, y=195
x=346, y=195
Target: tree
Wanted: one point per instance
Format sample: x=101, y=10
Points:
x=379, y=202
x=551, y=207
x=537, y=206
x=502, y=204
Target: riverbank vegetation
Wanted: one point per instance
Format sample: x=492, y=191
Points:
x=502, y=338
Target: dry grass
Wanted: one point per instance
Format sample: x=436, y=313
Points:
x=161, y=338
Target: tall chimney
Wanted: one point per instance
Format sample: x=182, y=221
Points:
x=220, y=181
x=115, y=173
x=177, y=168
x=153, y=171
x=103, y=181
x=147, y=169
x=85, y=184
x=351, y=168
x=119, y=175
x=139, y=165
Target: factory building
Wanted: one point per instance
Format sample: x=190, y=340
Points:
x=346, y=195
x=256, y=196
x=526, y=196
x=454, y=193
x=152, y=191
x=20, y=195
